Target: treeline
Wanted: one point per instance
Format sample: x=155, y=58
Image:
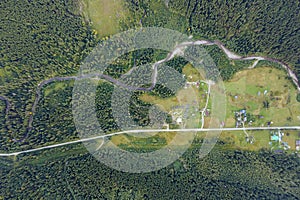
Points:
x=263, y=27
x=227, y=68
x=223, y=174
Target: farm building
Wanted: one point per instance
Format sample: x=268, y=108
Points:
x=240, y=117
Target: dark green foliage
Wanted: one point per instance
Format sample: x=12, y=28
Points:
x=247, y=27
x=53, y=121
x=139, y=110
x=266, y=104
x=221, y=175
x=2, y=114
x=162, y=91
x=264, y=63
x=177, y=63
x=297, y=69
x=103, y=106
x=298, y=97
x=251, y=117
x=39, y=40
x=226, y=67
x=135, y=58
x=169, y=119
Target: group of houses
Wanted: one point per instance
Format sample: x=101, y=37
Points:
x=240, y=117
x=178, y=114
x=189, y=84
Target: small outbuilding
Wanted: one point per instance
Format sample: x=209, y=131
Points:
x=297, y=145
x=179, y=120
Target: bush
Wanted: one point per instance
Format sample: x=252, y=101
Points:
x=298, y=97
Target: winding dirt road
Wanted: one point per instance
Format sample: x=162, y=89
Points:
x=179, y=49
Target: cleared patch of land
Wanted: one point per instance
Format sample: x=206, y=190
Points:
x=237, y=140
x=164, y=103
x=157, y=141
x=192, y=74
x=290, y=137
x=105, y=15
x=265, y=93
x=52, y=88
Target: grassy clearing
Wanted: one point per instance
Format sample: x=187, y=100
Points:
x=165, y=104
x=54, y=87
x=164, y=17
x=120, y=139
x=246, y=90
x=191, y=95
x=183, y=97
x=290, y=137
x=6, y=73
x=237, y=140
x=233, y=140
x=188, y=97
x=249, y=89
x=130, y=142
x=2, y=72
x=192, y=74
x=105, y=15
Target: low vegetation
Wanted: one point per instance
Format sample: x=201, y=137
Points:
x=105, y=15
x=266, y=94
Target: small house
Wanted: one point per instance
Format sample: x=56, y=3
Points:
x=275, y=138
x=179, y=120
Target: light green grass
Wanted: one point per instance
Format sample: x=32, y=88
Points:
x=237, y=140
x=6, y=73
x=157, y=141
x=105, y=15
x=246, y=85
x=291, y=138
x=51, y=88
x=2, y=72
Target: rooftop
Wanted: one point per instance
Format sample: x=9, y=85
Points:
x=275, y=137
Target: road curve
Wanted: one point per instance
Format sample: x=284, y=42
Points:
x=177, y=50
